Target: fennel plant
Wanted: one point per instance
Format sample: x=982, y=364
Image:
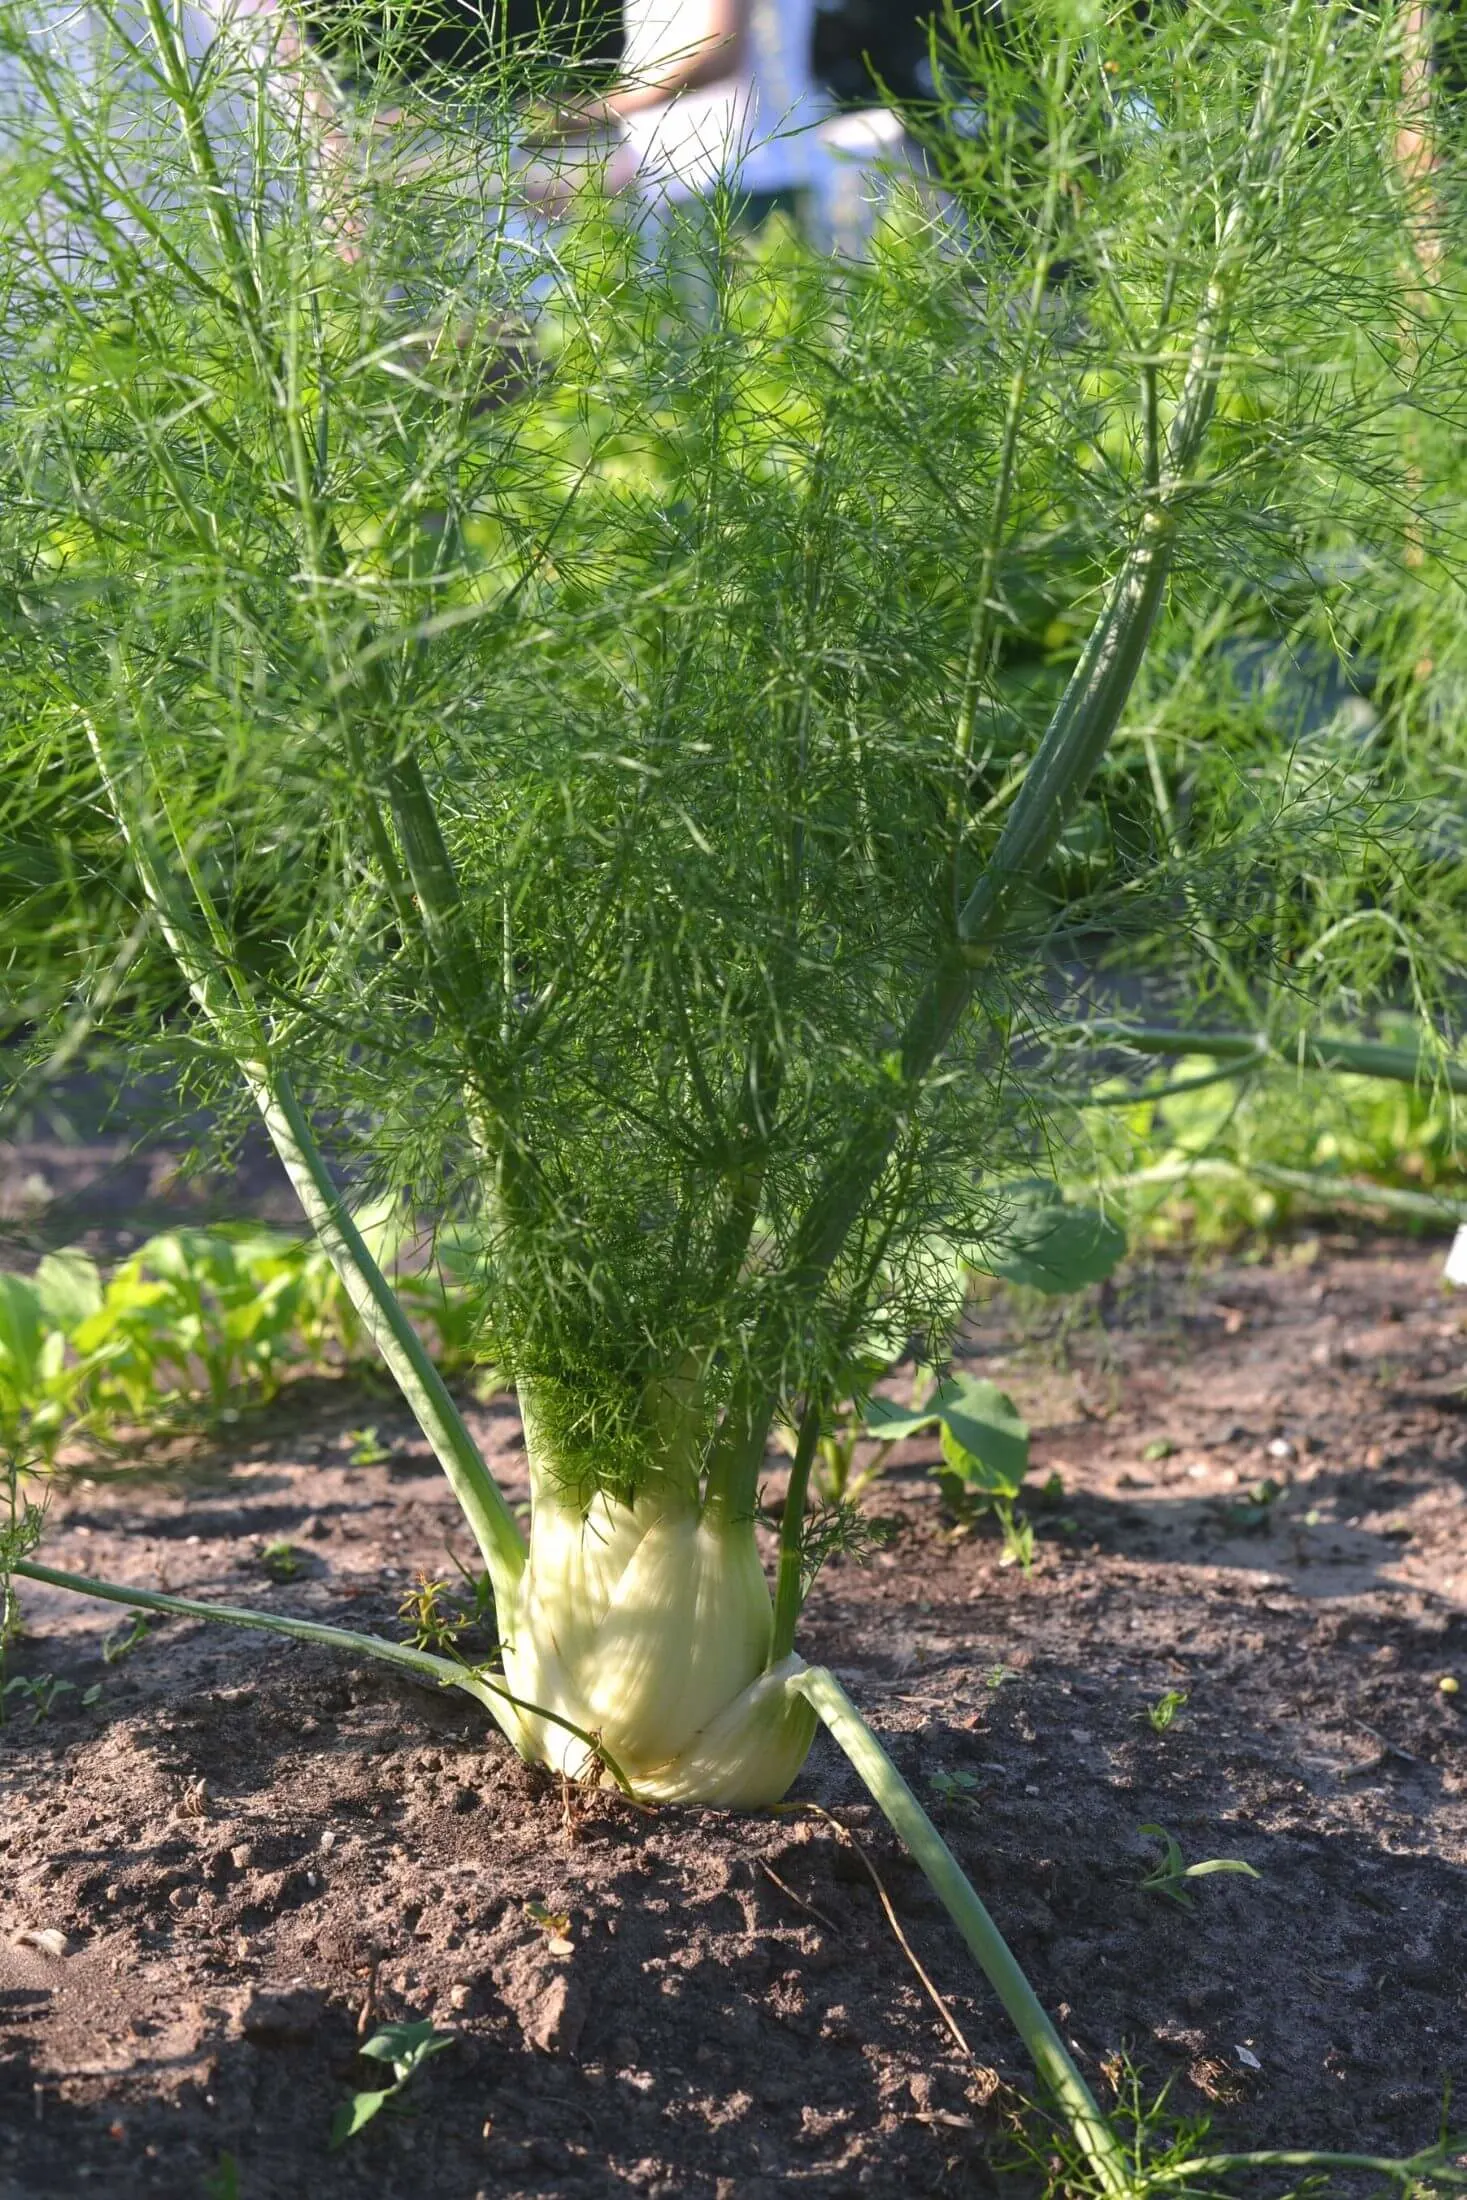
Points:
x=621, y=823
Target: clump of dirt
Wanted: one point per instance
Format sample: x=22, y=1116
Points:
x=223, y=1871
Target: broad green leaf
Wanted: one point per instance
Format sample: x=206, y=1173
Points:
x=69, y=1286
x=891, y=1422
x=405, y=2046
x=1039, y=1240
x=975, y=1472
x=170, y=1254
x=354, y=2114
x=20, y=1329
x=984, y=1437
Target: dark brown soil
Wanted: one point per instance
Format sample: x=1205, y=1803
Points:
x=252, y=1849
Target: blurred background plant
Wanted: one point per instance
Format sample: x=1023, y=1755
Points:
x=197, y=1326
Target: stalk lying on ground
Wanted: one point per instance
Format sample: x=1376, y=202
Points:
x=567, y=800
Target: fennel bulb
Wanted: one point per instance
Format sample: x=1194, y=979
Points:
x=647, y=1625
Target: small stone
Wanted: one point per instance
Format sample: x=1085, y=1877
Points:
x=1449, y=1685
x=242, y=1855
x=460, y=1994
x=553, y=2022
x=47, y=1938
x=328, y=1841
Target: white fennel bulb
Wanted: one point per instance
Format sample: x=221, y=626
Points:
x=646, y=1626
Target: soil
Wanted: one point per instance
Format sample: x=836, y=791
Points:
x=218, y=1876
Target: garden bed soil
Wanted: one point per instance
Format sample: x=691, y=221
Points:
x=222, y=1872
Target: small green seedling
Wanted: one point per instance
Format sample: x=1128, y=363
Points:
x=985, y=1453
x=998, y=1674
x=1160, y=1715
x=223, y=2181
x=1160, y=1447
x=42, y=1692
x=431, y=1624
x=406, y=2047
x=280, y=1560
x=367, y=1447
x=1252, y=1509
x=1169, y=1876
x=954, y=1787
x=1173, y=2154
x=555, y=1925
x=122, y=1641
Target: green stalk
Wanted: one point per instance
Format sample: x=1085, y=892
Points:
x=421, y=1664
x=1413, y=2170
x=493, y=1525
x=1089, y=710
x=1325, y=1191
x=787, y=1589
x=1407, y=1065
x=166, y=32
x=950, y=1883
x=503, y=1706
x=1073, y=743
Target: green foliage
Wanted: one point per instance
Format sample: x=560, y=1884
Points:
x=121, y=1643
x=1167, y=2153
x=1169, y=1875
x=222, y=2183
x=406, y=2047
x=197, y=1324
x=41, y=1692
x=585, y=798
x=1039, y=1240
x=430, y=1623
x=650, y=823
x=1210, y=1154
x=1161, y=1715
x=985, y=1452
